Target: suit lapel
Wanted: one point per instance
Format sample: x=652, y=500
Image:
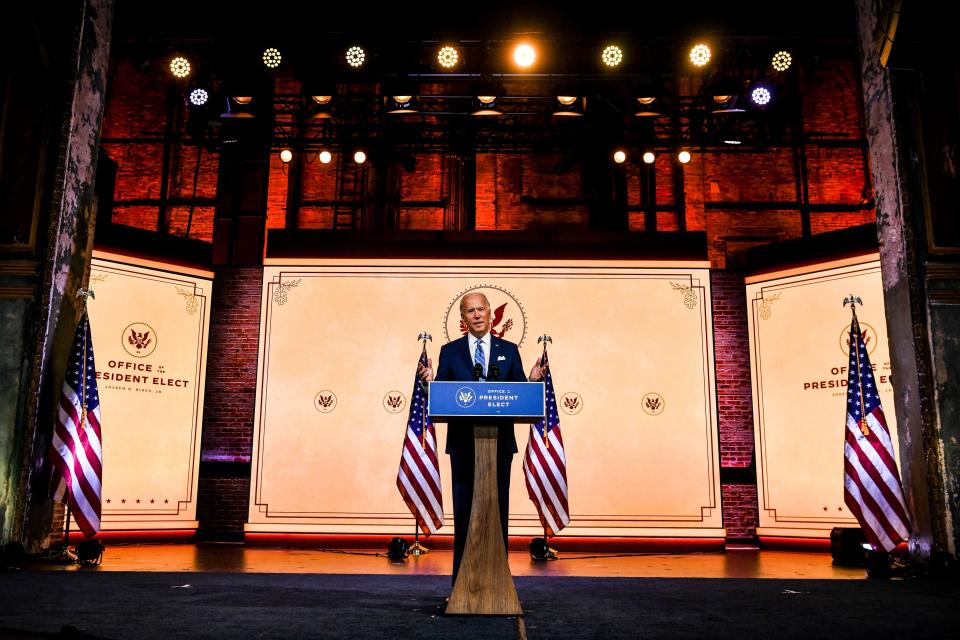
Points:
x=465, y=353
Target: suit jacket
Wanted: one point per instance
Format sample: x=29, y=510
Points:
x=456, y=364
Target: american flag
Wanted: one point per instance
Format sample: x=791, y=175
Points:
x=77, y=454
x=545, y=465
x=871, y=482
x=419, y=476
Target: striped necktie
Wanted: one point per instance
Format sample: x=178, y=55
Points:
x=479, y=357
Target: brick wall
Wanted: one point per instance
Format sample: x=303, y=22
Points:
x=513, y=191
x=734, y=405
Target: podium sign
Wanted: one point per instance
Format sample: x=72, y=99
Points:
x=521, y=400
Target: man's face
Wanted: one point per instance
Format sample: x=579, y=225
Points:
x=475, y=312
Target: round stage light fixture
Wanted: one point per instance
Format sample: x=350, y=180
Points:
x=355, y=57
x=359, y=157
x=733, y=141
x=781, y=60
x=180, y=67
x=398, y=549
x=566, y=100
x=198, y=97
x=286, y=156
x=272, y=58
x=619, y=156
x=325, y=157
x=700, y=55
x=612, y=55
x=243, y=99
x=448, y=57
x=322, y=100
x=761, y=95
x=683, y=157
x=649, y=157
x=524, y=55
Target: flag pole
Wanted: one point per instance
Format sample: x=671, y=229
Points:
x=418, y=549
x=546, y=424
x=853, y=301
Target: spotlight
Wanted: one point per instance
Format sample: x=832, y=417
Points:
x=524, y=55
x=286, y=156
x=486, y=106
x=733, y=141
x=325, y=157
x=612, y=56
x=398, y=549
x=619, y=156
x=400, y=104
x=272, y=58
x=359, y=157
x=781, y=60
x=198, y=97
x=683, y=157
x=761, y=95
x=180, y=67
x=570, y=106
x=700, y=55
x=649, y=157
x=448, y=57
x=647, y=106
x=238, y=107
x=322, y=100
x=355, y=57
x=540, y=550
x=89, y=553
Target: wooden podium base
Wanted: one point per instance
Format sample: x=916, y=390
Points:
x=484, y=585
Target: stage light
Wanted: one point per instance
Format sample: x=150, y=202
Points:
x=683, y=157
x=359, y=157
x=322, y=100
x=619, y=156
x=570, y=106
x=486, y=106
x=198, y=97
x=541, y=551
x=761, y=95
x=325, y=157
x=612, y=55
x=355, y=57
x=89, y=553
x=700, y=55
x=397, y=549
x=399, y=104
x=781, y=60
x=649, y=157
x=272, y=58
x=238, y=107
x=732, y=141
x=180, y=67
x=524, y=55
x=646, y=106
x=448, y=57
x=286, y=156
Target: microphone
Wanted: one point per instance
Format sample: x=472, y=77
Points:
x=494, y=372
x=477, y=371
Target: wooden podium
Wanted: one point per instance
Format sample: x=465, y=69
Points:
x=484, y=585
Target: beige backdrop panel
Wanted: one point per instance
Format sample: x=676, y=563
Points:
x=346, y=332
x=151, y=393
x=798, y=345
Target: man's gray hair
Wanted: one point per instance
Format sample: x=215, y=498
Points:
x=463, y=300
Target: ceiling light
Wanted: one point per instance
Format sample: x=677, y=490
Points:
x=448, y=57
x=359, y=157
x=649, y=157
x=700, y=55
x=325, y=157
x=781, y=60
x=683, y=157
x=524, y=55
x=272, y=58
x=286, y=156
x=355, y=57
x=612, y=56
x=180, y=67
x=619, y=156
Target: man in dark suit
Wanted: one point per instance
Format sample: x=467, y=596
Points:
x=479, y=350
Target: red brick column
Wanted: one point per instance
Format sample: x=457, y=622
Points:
x=738, y=475
x=229, y=403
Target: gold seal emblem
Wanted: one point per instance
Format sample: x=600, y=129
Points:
x=394, y=402
x=508, y=319
x=325, y=401
x=869, y=338
x=652, y=404
x=139, y=339
x=571, y=403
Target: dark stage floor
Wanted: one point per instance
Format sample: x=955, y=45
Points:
x=185, y=591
